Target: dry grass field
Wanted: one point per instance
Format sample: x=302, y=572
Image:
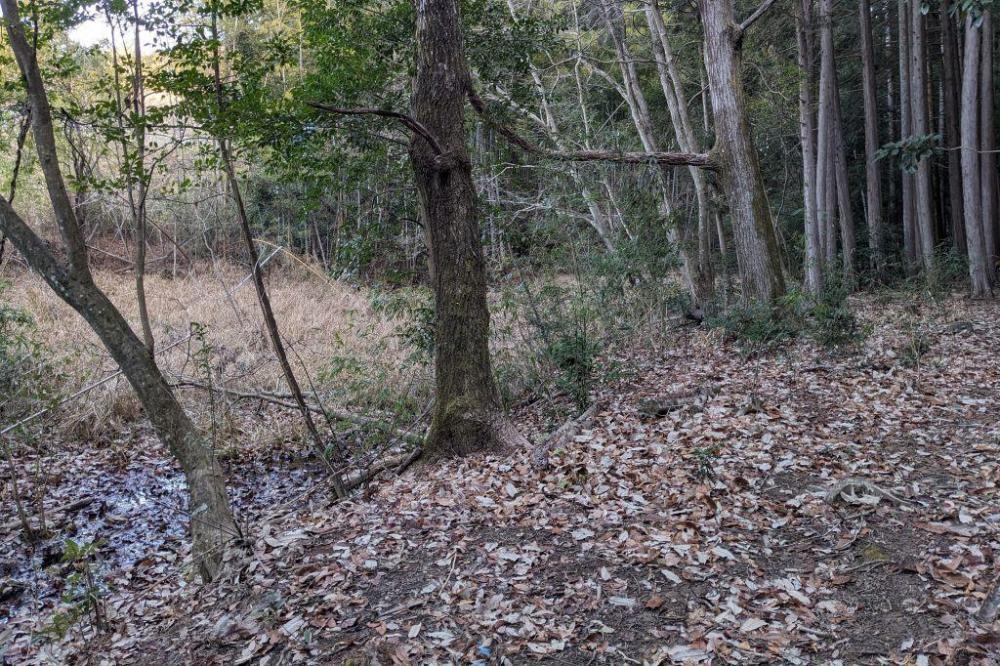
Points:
x=321, y=320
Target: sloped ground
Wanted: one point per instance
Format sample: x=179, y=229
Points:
x=720, y=531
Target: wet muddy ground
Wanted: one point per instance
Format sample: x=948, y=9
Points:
x=135, y=512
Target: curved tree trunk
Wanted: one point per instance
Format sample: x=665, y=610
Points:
x=212, y=522
x=756, y=243
x=467, y=413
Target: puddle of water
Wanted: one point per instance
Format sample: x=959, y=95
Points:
x=136, y=514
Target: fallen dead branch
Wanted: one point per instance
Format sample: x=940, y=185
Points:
x=399, y=463
x=286, y=401
x=851, y=489
x=57, y=515
x=561, y=437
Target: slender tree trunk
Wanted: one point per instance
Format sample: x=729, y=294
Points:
x=988, y=146
x=844, y=215
x=753, y=227
x=873, y=187
x=830, y=204
x=807, y=135
x=263, y=299
x=139, y=202
x=467, y=413
x=909, y=227
x=950, y=93
x=918, y=112
x=825, y=177
x=698, y=281
x=673, y=92
x=979, y=273
x=212, y=524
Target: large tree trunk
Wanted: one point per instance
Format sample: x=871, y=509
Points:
x=873, y=188
x=467, y=411
x=950, y=92
x=212, y=522
x=807, y=135
x=753, y=227
x=979, y=273
x=988, y=145
x=918, y=113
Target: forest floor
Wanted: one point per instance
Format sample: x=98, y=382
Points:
x=716, y=527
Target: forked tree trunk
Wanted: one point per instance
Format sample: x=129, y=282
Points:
x=756, y=243
x=212, y=524
x=950, y=92
x=673, y=92
x=974, y=235
x=831, y=127
x=697, y=273
x=807, y=136
x=873, y=187
x=918, y=113
x=467, y=414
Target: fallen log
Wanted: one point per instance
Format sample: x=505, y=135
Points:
x=398, y=462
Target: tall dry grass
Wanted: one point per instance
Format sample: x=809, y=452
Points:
x=320, y=319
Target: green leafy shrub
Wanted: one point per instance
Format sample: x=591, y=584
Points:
x=762, y=328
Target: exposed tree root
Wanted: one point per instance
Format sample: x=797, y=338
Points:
x=561, y=437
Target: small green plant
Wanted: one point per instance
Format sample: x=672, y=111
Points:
x=915, y=346
x=82, y=596
x=759, y=329
x=705, y=460
x=830, y=321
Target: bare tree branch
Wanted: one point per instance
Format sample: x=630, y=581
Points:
x=409, y=122
x=702, y=160
x=750, y=20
